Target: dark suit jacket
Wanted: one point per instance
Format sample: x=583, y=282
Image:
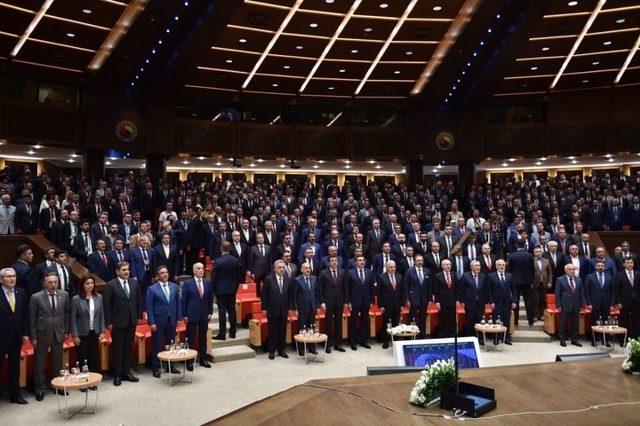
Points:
x=26, y=278
x=418, y=292
x=160, y=311
x=306, y=299
x=25, y=222
x=568, y=301
x=430, y=262
x=227, y=274
x=388, y=297
x=441, y=291
x=520, y=264
x=484, y=268
x=96, y=264
x=466, y=264
x=48, y=326
x=469, y=294
x=625, y=294
x=259, y=264
x=275, y=303
x=378, y=263
x=557, y=267
x=332, y=292
x=14, y=325
x=584, y=266
x=357, y=293
x=243, y=256
x=118, y=310
x=194, y=307
x=600, y=298
x=501, y=295
x=373, y=244
x=171, y=262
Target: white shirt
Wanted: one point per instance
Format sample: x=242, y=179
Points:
x=576, y=262
x=92, y=310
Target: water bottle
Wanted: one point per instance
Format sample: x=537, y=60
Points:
x=66, y=372
x=172, y=348
x=483, y=321
x=85, y=371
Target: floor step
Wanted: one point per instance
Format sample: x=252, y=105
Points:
x=232, y=353
x=242, y=339
x=530, y=336
x=535, y=327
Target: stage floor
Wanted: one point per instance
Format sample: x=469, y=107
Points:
x=549, y=387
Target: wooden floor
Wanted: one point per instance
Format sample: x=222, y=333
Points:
x=559, y=386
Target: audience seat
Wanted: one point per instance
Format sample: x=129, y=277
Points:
x=68, y=354
x=346, y=313
x=27, y=360
x=142, y=346
x=104, y=354
x=292, y=326
x=551, y=315
x=245, y=298
x=257, y=325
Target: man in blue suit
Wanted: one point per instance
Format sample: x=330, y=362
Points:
x=417, y=284
x=380, y=260
x=610, y=268
x=522, y=270
x=359, y=297
x=142, y=265
x=25, y=276
x=473, y=296
x=98, y=262
x=501, y=294
x=332, y=251
x=569, y=300
x=598, y=290
x=259, y=262
x=14, y=329
x=163, y=312
x=117, y=255
x=306, y=300
x=197, y=308
x=227, y=274
x=315, y=249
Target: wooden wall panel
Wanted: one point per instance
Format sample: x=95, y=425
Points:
x=377, y=143
x=264, y=140
x=511, y=140
x=38, y=123
x=321, y=142
x=205, y=136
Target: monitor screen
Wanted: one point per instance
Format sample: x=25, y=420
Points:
x=420, y=353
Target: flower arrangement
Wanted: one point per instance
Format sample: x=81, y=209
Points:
x=632, y=363
x=405, y=328
x=432, y=381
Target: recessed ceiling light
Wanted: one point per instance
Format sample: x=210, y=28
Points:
x=329, y=1
x=538, y=163
x=437, y=8
x=595, y=63
x=218, y=164
x=74, y=155
x=113, y=158
x=229, y=61
x=342, y=70
x=543, y=158
x=607, y=43
x=315, y=166
x=321, y=161
x=371, y=161
x=378, y=166
x=185, y=162
x=534, y=68
x=31, y=152
x=408, y=52
x=573, y=3
x=299, y=47
x=313, y=25
x=347, y=161
x=512, y=159
x=87, y=11
x=243, y=40
x=585, y=81
x=37, y=146
x=545, y=49
x=71, y=160
x=331, y=87
x=354, y=50
x=439, y=166
x=201, y=158
x=571, y=157
x=368, y=30
x=282, y=166
x=608, y=155
x=505, y=164
x=621, y=21
x=275, y=84
x=252, y=165
x=574, y=161
x=347, y=166
x=611, y=160
x=383, y=5
x=396, y=72
x=71, y=35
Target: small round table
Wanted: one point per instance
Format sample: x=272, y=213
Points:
x=410, y=334
x=491, y=329
x=609, y=330
x=183, y=355
x=310, y=339
x=60, y=384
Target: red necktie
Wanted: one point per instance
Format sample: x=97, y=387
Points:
x=393, y=281
x=448, y=278
x=489, y=262
x=104, y=258
x=200, y=289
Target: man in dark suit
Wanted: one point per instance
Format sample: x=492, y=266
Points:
x=219, y=236
x=50, y=314
x=374, y=239
x=163, y=312
x=331, y=286
x=473, y=297
x=627, y=295
x=66, y=280
x=359, y=296
x=522, y=270
x=227, y=274
x=381, y=259
x=259, y=262
x=418, y=286
x=148, y=201
x=556, y=261
x=460, y=264
x=443, y=287
x=122, y=308
x=277, y=295
x=501, y=295
x=240, y=251
x=433, y=260
x=599, y=295
x=392, y=296
x=581, y=264
x=14, y=329
x=97, y=262
x=26, y=219
x=569, y=300
x=487, y=260
x=142, y=265
x=197, y=308
x=194, y=239
x=117, y=255
x=306, y=300
x=623, y=255
x=25, y=276
x=42, y=267
x=48, y=217
x=585, y=248
x=166, y=254
x=447, y=242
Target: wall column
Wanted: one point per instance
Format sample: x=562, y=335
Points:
x=414, y=172
x=279, y=176
x=467, y=172
x=156, y=165
x=341, y=179
x=249, y=176
x=93, y=163
x=552, y=173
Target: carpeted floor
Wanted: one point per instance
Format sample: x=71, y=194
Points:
x=232, y=385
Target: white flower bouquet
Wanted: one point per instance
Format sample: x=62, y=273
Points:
x=432, y=381
x=405, y=328
x=632, y=363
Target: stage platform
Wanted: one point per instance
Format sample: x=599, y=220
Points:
x=548, y=387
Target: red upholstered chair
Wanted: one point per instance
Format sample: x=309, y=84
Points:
x=245, y=298
x=551, y=315
x=375, y=319
x=27, y=361
x=432, y=318
x=142, y=343
x=69, y=355
x=346, y=313
x=292, y=326
x=257, y=325
x=104, y=354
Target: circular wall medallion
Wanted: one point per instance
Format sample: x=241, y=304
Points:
x=445, y=141
x=126, y=131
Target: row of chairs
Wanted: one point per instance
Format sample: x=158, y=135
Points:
x=552, y=317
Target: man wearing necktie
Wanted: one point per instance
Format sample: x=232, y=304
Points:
x=97, y=261
x=122, y=310
x=542, y=281
x=306, y=300
x=259, y=262
x=392, y=296
x=227, y=275
x=359, y=296
x=50, y=313
x=473, y=297
x=197, y=308
x=331, y=288
x=569, y=301
x=163, y=312
x=627, y=291
x=521, y=268
x=445, y=282
x=277, y=295
x=14, y=329
x=501, y=296
x=598, y=288
x=418, y=286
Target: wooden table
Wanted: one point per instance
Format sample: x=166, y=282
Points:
x=607, y=329
x=310, y=339
x=537, y=388
x=60, y=384
x=180, y=356
x=491, y=329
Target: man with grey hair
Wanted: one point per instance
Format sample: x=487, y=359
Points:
x=50, y=314
x=276, y=300
x=7, y=216
x=391, y=297
x=14, y=329
x=306, y=299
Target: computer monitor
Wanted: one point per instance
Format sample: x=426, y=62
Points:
x=420, y=353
